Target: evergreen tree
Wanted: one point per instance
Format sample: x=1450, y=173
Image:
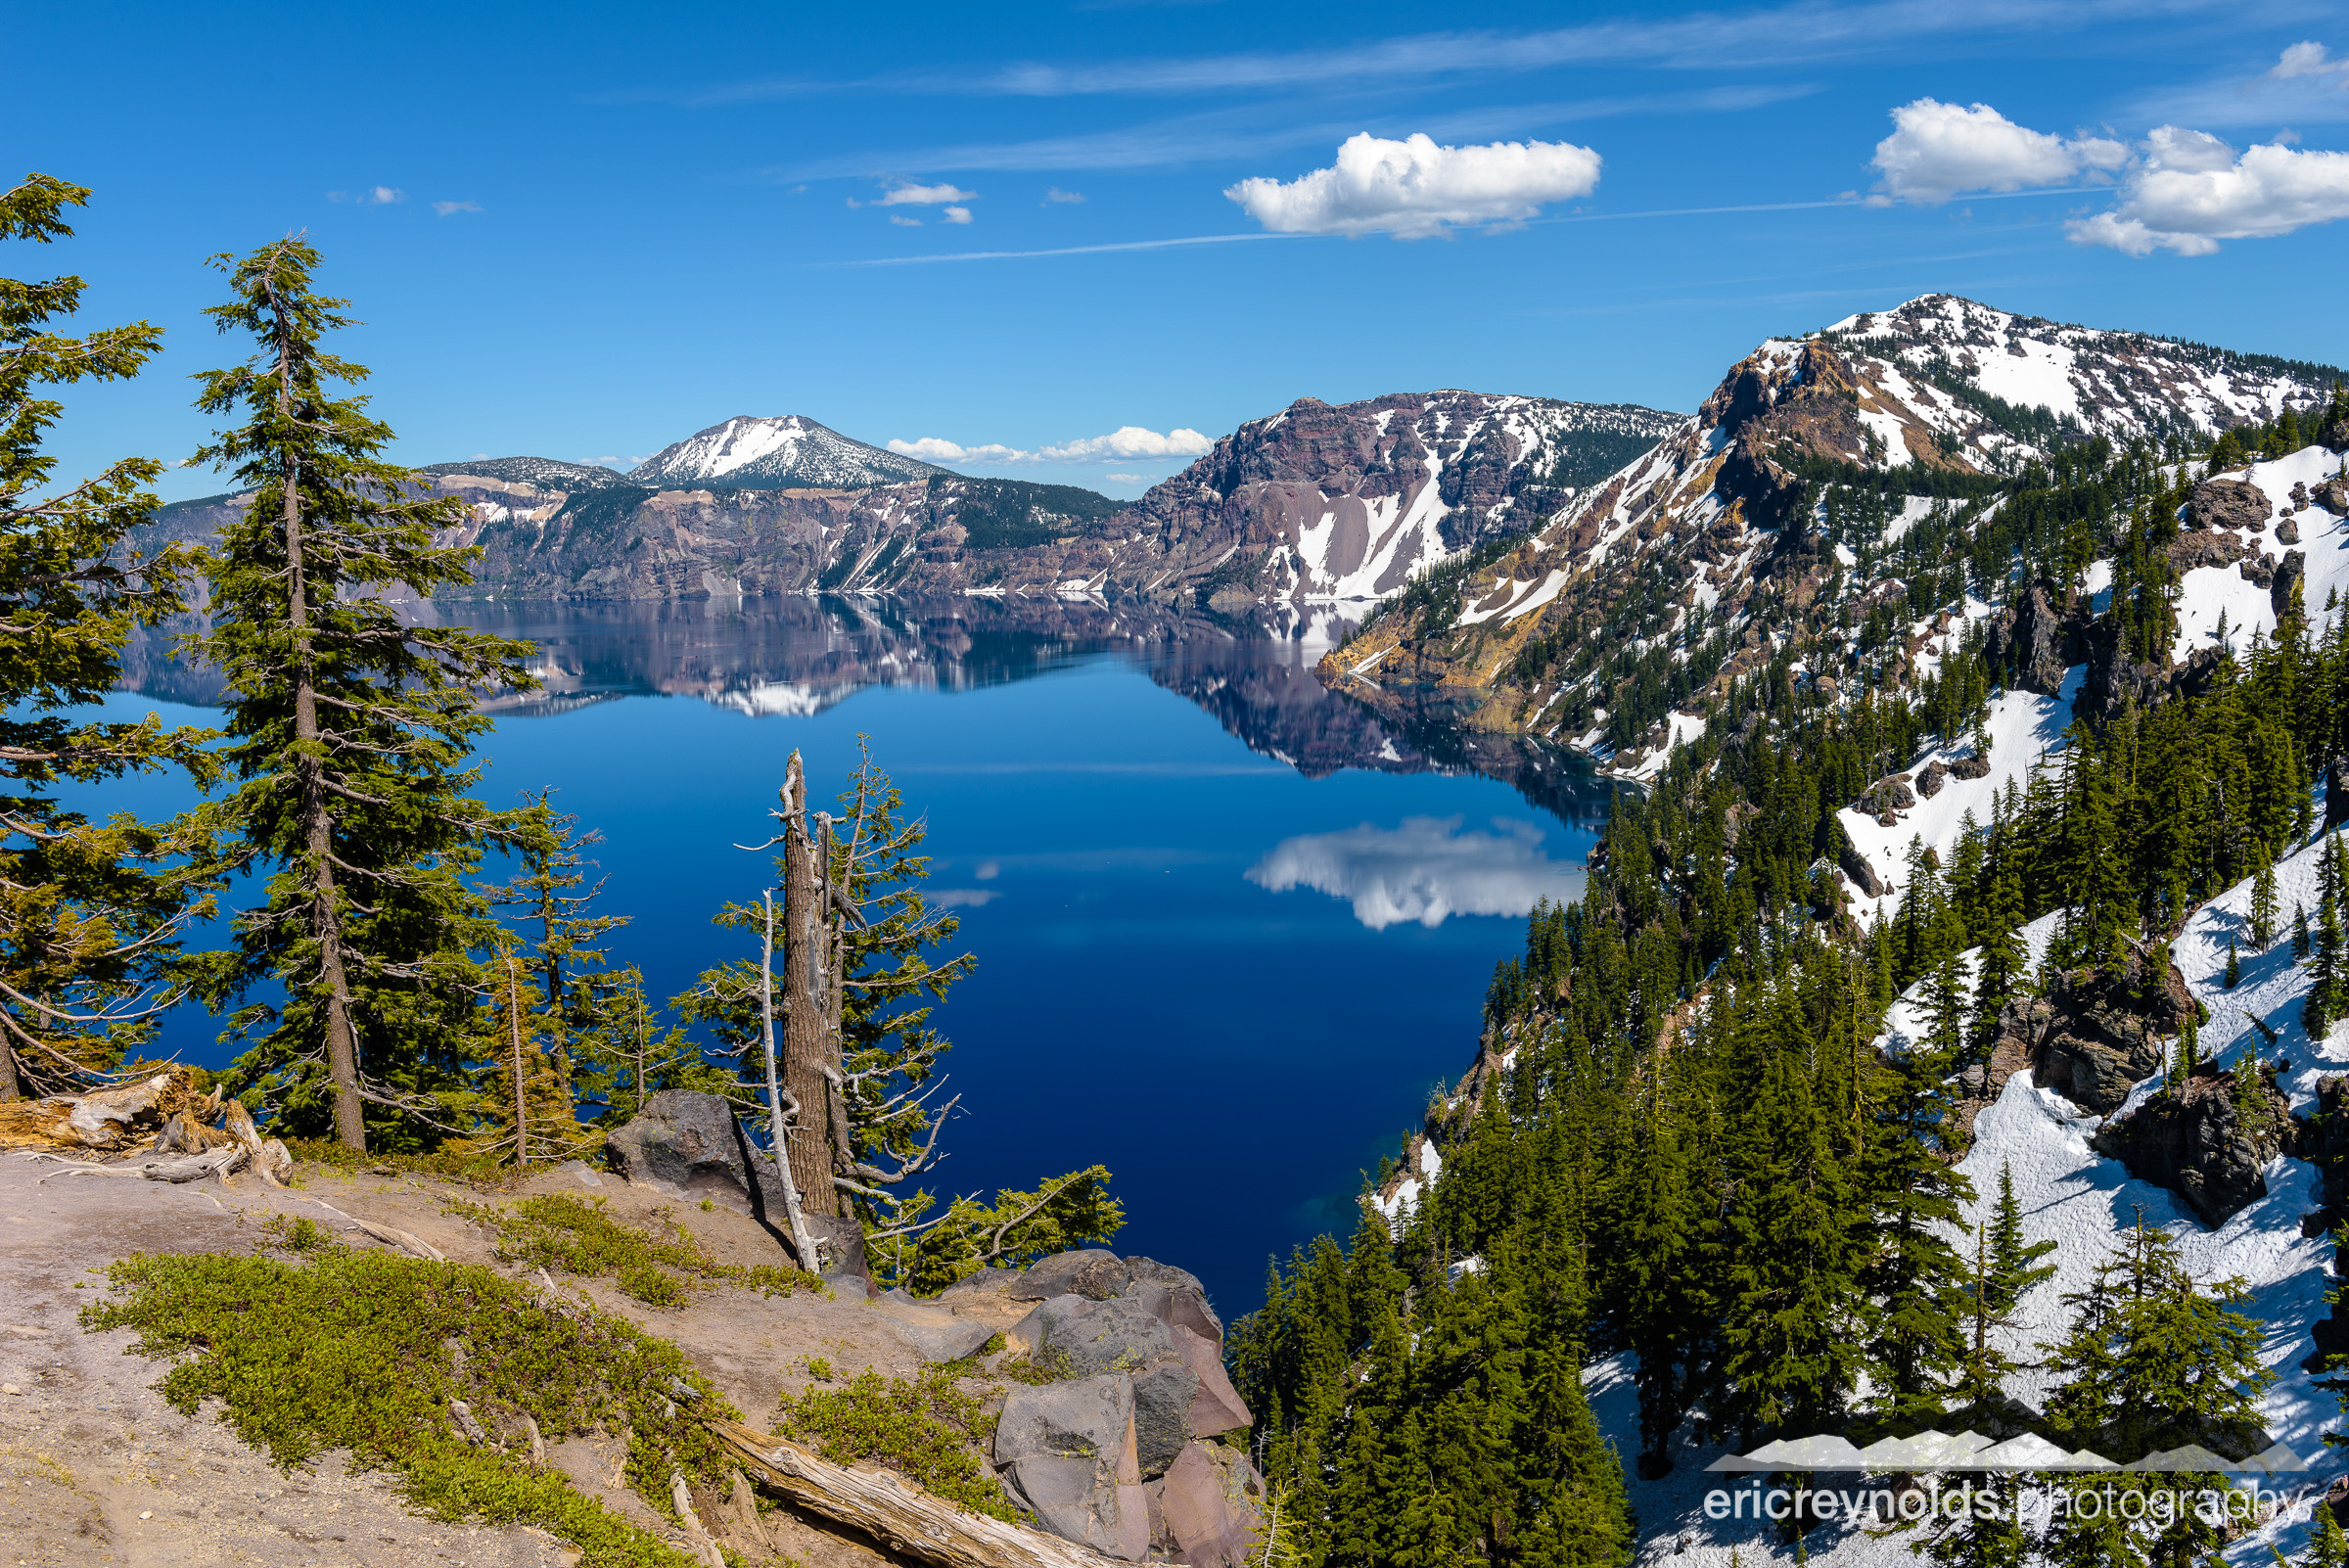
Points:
x=1796, y=1316
x=91, y=913
x=2235, y=967
x=2153, y=1361
x=2300, y=943
x=349, y=733
x=2328, y=1546
x=2014, y=1265
x=2263, y=899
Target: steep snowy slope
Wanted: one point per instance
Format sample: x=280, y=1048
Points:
x=1938, y=397
x=787, y=452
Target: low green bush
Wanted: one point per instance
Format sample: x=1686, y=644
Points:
x=365, y=1351
x=560, y=1231
x=928, y=1430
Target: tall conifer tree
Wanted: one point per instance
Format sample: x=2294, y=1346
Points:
x=90, y=912
x=350, y=732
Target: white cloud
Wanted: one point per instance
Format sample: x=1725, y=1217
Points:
x=957, y=215
x=1053, y=192
x=373, y=196
x=445, y=208
x=1414, y=188
x=1938, y=150
x=1425, y=870
x=960, y=897
x=2188, y=190
x=1129, y=478
x=2307, y=58
x=1124, y=444
x=904, y=223
x=925, y=196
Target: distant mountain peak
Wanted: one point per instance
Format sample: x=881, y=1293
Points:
x=784, y=451
x=546, y=473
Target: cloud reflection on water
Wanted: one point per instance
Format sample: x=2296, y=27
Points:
x=1425, y=870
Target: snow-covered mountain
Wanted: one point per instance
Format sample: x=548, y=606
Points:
x=1947, y=379
x=1725, y=519
x=787, y=452
x=1326, y=501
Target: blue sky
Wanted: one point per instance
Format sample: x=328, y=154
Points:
x=587, y=231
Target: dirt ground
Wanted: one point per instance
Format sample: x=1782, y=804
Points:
x=96, y=1468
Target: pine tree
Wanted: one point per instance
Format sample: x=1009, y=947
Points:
x=2263, y=899
x=2014, y=1265
x=349, y=733
x=2153, y=1361
x=2300, y=941
x=2327, y=976
x=567, y=991
x=90, y=912
x=2328, y=1546
x=2235, y=967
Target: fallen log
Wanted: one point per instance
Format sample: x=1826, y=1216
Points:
x=893, y=1511
x=215, y=1162
x=103, y=1121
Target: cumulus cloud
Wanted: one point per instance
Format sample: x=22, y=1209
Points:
x=446, y=208
x=1936, y=150
x=924, y=196
x=1425, y=870
x=1053, y=192
x=1127, y=442
x=373, y=196
x=955, y=214
x=1122, y=445
x=2188, y=190
x=1129, y=479
x=1415, y=188
x=2307, y=58
x=904, y=223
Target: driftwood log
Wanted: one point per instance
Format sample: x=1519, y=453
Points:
x=891, y=1510
x=105, y=1121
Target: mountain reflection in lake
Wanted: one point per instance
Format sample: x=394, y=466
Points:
x=1100, y=786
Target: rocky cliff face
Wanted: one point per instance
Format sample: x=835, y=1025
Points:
x=1318, y=502
x=1717, y=530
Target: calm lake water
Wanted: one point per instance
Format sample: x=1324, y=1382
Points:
x=1230, y=929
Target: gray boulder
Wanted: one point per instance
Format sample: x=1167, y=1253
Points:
x=689, y=1142
x=1163, y=1393
x=2287, y=531
x=1182, y=1391
x=1087, y=1271
x=2333, y=496
x=1067, y=1449
x=1070, y=1500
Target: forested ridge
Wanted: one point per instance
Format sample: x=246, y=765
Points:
x=1685, y=1139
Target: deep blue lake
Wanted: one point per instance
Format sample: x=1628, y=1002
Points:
x=1230, y=929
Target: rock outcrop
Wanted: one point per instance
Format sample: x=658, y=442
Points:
x=2284, y=593
x=2222, y=503
x=2027, y=640
x=2096, y=1034
x=2204, y=1141
x=1118, y=1447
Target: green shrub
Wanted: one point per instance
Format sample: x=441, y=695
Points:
x=359, y=1350
x=925, y=1430
x=559, y=1231
x=297, y=1232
